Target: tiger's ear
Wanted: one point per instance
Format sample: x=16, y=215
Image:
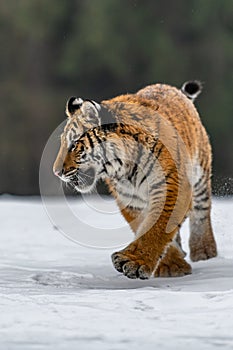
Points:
x=72, y=105
x=90, y=111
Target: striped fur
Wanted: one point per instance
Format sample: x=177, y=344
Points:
x=154, y=154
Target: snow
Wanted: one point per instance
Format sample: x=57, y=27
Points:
x=56, y=294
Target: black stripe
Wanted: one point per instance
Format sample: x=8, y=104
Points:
x=142, y=180
x=132, y=196
x=90, y=140
x=157, y=191
x=108, y=163
x=158, y=184
x=170, y=205
x=133, y=207
x=159, y=151
x=149, y=170
x=170, y=191
x=168, y=210
x=135, y=168
x=200, y=207
x=205, y=199
x=96, y=136
x=151, y=154
x=140, y=149
x=203, y=191
x=197, y=184
x=119, y=161
x=105, y=169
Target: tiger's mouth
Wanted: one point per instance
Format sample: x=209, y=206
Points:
x=84, y=179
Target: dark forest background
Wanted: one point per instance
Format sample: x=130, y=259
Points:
x=54, y=49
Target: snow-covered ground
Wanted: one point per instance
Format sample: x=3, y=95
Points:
x=55, y=294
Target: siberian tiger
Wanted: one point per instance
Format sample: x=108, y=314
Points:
x=154, y=154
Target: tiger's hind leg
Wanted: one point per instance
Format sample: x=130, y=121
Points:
x=202, y=243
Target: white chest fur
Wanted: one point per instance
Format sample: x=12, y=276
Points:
x=130, y=195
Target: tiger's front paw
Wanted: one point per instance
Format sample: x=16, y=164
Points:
x=131, y=265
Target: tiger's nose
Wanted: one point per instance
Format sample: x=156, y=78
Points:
x=57, y=172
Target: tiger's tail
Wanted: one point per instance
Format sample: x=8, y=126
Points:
x=192, y=89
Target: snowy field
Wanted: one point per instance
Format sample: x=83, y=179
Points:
x=55, y=294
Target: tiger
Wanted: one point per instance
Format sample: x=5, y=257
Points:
x=154, y=154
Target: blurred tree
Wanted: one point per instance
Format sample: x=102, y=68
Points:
x=53, y=49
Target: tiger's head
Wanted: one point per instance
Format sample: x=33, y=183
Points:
x=80, y=160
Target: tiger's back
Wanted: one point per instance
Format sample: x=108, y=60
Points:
x=172, y=105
